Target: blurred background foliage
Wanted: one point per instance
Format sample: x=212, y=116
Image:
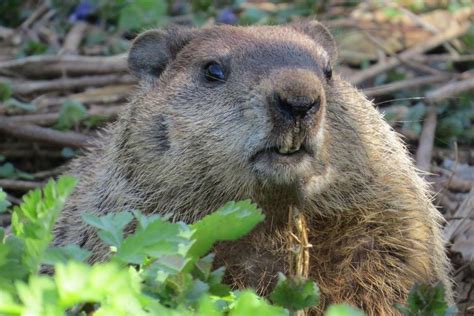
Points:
x=116, y=22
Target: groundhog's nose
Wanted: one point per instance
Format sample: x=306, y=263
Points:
x=296, y=95
x=296, y=107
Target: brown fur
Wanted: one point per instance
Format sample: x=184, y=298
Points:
x=185, y=147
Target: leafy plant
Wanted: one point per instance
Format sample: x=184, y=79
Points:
x=71, y=113
x=163, y=268
x=8, y=170
x=295, y=294
x=426, y=300
x=5, y=91
x=4, y=204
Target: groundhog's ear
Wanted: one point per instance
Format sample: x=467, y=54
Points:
x=153, y=50
x=320, y=34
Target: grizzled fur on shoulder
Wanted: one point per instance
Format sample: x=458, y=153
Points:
x=229, y=113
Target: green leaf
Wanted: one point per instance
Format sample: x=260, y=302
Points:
x=15, y=104
x=12, y=251
x=68, y=152
x=254, y=15
x=5, y=91
x=33, y=48
x=208, y=307
x=295, y=294
x=426, y=300
x=248, y=303
x=4, y=203
x=155, y=239
x=110, y=226
x=342, y=310
x=140, y=14
x=71, y=113
x=7, y=170
x=64, y=254
x=33, y=220
x=234, y=220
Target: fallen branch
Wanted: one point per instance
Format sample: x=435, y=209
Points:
x=74, y=37
x=28, y=153
x=19, y=185
x=105, y=95
x=30, y=87
x=392, y=62
x=425, y=146
x=451, y=89
x=48, y=119
x=60, y=65
x=444, y=57
x=404, y=84
x=41, y=134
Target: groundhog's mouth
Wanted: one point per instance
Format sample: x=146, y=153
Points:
x=281, y=154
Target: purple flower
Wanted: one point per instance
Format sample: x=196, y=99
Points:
x=227, y=16
x=82, y=11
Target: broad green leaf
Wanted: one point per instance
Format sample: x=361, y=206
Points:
x=295, y=294
x=140, y=14
x=64, y=254
x=233, y=221
x=208, y=307
x=110, y=226
x=39, y=296
x=8, y=305
x=4, y=203
x=248, y=303
x=343, y=310
x=426, y=300
x=71, y=113
x=33, y=220
x=5, y=91
x=158, y=238
x=7, y=170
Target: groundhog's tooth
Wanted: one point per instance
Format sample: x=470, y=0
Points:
x=283, y=150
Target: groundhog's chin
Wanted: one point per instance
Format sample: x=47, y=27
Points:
x=280, y=167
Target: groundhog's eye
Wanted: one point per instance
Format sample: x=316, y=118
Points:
x=214, y=72
x=328, y=72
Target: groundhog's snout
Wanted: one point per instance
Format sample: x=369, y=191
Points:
x=295, y=104
x=296, y=97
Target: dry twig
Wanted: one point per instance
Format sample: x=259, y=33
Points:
x=74, y=37
x=30, y=87
x=20, y=185
x=425, y=146
x=41, y=134
x=60, y=65
x=392, y=62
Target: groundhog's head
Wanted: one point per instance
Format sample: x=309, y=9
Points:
x=246, y=101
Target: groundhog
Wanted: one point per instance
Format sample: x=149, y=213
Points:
x=229, y=113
